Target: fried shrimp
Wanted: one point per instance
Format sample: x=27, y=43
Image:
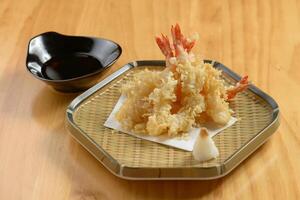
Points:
x=174, y=100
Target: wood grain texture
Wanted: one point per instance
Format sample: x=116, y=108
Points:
x=39, y=159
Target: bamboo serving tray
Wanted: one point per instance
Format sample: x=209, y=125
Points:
x=129, y=157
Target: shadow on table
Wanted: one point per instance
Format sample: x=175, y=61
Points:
x=50, y=104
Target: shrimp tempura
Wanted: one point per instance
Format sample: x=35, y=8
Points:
x=174, y=100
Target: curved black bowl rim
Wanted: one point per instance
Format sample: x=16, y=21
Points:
x=79, y=77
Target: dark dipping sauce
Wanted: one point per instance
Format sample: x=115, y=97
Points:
x=70, y=66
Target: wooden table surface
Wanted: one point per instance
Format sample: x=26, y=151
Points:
x=40, y=160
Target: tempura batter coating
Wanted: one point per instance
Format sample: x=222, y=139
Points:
x=174, y=100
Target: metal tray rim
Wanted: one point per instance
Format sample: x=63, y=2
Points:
x=121, y=171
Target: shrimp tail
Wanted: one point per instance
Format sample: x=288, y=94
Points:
x=180, y=41
x=241, y=86
x=164, y=45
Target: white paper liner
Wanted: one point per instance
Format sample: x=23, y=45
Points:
x=184, y=143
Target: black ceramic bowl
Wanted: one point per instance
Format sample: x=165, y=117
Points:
x=70, y=63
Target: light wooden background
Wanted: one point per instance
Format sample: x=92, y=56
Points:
x=39, y=159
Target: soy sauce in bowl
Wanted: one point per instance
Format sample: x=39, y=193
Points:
x=70, y=66
x=70, y=63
